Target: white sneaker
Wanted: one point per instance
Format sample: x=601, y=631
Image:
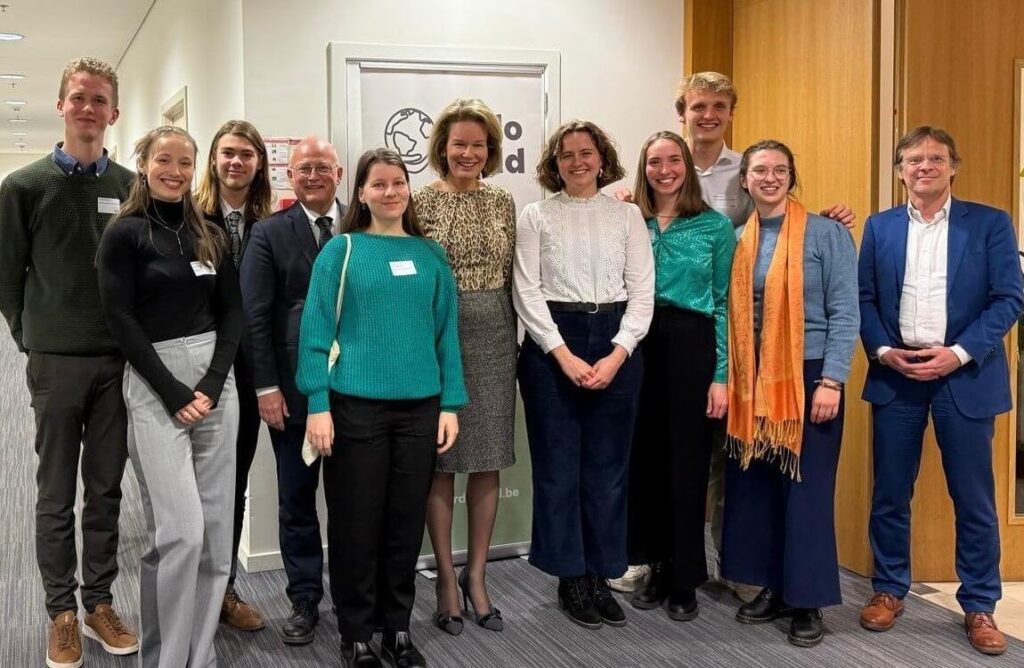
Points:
x=634, y=578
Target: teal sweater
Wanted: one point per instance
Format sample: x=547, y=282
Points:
x=399, y=332
x=692, y=263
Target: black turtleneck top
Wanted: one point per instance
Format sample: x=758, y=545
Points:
x=154, y=289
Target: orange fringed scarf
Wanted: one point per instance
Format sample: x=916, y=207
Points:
x=766, y=400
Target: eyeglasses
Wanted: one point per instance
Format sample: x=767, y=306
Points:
x=918, y=160
x=759, y=173
x=322, y=168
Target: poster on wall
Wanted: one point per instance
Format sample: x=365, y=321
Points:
x=390, y=96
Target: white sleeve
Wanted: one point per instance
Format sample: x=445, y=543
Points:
x=639, y=278
x=526, y=293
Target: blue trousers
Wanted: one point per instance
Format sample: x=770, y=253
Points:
x=298, y=525
x=579, y=445
x=966, y=448
x=780, y=533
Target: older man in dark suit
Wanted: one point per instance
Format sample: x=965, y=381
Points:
x=275, y=275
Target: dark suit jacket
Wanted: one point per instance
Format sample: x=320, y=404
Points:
x=275, y=271
x=983, y=301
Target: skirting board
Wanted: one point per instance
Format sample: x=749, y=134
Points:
x=268, y=561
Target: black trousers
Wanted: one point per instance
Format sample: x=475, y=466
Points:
x=248, y=435
x=672, y=446
x=376, y=484
x=79, y=409
x=298, y=526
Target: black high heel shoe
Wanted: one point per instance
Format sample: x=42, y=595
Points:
x=451, y=624
x=491, y=621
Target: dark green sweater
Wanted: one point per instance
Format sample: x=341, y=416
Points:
x=50, y=228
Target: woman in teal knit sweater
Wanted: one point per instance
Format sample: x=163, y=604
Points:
x=683, y=396
x=390, y=399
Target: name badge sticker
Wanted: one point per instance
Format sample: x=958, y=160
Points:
x=402, y=268
x=722, y=203
x=108, y=205
x=203, y=269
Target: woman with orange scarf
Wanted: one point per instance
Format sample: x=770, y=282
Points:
x=793, y=322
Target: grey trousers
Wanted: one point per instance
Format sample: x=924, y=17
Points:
x=186, y=476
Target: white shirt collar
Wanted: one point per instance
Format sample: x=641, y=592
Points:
x=940, y=216
x=726, y=157
x=332, y=212
x=226, y=208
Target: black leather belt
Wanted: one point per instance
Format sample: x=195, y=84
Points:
x=587, y=307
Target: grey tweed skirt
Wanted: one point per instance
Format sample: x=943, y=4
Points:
x=487, y=334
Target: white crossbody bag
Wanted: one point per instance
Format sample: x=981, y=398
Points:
x=309, y=453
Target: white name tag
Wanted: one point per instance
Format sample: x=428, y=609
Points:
x=722, y=203
x=403, y=268
x=108, y=204
x=203, y=269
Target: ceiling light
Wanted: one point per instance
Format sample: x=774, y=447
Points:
x=12, y=76
x=18, y=134
x=17, y=103
x=20, y=144
x=11, y=37
x=19, y=120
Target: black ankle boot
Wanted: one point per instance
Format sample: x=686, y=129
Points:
x=682, y=607
x=655, y=592
x=397, y=649
x=764, y=608
x=575, y=600
x=806, y=629
x=609, y=609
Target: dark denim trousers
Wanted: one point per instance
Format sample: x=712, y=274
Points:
x=579, y=444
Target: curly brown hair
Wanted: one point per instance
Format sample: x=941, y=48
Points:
x=547, y=168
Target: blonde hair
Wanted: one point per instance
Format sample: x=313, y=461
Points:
x=713, y=82
x=210, y=243
x=89, y=66
x=465, y=109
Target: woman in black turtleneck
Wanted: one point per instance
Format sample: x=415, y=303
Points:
x=171, y=298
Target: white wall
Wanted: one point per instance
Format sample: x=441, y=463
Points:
x=621, y=59
x=12, y=161
x=193, y=43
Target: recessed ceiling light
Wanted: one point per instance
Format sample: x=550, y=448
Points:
x=17, y=103
x=20, y=144
x=11, y=37
x=19, y=120
x=12, y=76
x=18, y=134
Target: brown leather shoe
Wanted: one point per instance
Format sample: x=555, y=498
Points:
x=881, y=612
x=238, y=614
x=983, y=633
x=105, y=627
x=64, y=649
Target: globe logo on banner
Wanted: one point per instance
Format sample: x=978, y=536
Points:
x=407, y=133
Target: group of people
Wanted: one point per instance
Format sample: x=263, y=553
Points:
x=704, y=332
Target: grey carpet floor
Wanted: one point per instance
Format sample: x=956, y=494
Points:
x=536, y=634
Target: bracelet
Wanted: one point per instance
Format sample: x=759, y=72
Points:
x=830, y=384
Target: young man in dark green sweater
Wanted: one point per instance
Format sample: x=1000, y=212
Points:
x=52, y=214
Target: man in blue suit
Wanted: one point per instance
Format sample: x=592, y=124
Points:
x=940, y=286
x=275, y=275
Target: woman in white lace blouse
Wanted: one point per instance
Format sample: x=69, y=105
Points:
x=584, y=288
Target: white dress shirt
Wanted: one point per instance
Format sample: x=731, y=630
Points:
x=226, y=209
x=923, y=300
x=720, y=187
x=583, y=250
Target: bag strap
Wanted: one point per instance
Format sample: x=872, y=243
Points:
x=341, y=282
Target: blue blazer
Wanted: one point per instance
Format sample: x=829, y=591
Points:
x=275, y=271
x=983, y=301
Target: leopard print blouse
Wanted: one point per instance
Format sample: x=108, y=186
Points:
x=477, y=229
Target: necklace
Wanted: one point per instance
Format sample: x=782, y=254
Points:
x=175, y=231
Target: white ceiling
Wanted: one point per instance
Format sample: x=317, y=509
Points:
x=56, y=32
